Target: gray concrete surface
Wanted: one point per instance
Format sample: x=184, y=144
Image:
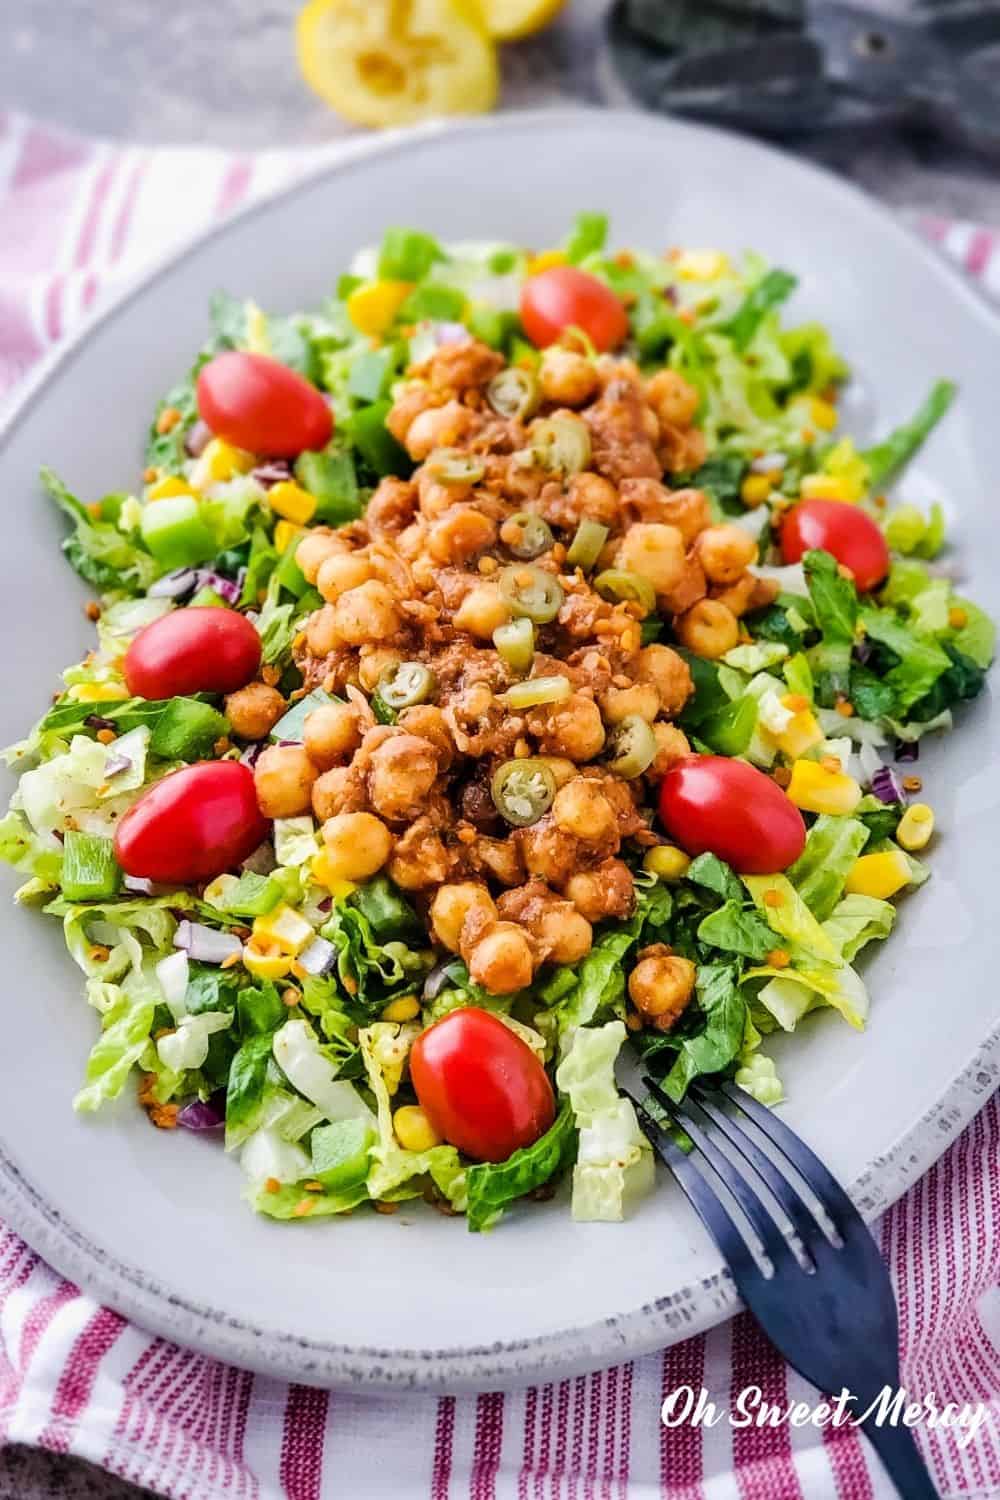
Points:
x=224, y=72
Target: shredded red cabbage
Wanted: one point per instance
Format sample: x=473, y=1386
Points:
x=275, y=471
x=173, y=585
x=886, y=787
x=198, y=439
x=203, y=1114
x=906, y=751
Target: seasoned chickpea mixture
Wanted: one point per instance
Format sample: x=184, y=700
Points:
x=495, y=720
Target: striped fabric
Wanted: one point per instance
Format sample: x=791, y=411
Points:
x=78, y=217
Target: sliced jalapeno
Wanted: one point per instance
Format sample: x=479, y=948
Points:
x=585, y=548
x=453, y=466
x=405, y=684
x=561, y=443
x=515, y=643
x=631, y=747
x=531, y=593
x=538, y=690
x=522, y=791
x=526, y=535
x=515, y=392
x=623, y=587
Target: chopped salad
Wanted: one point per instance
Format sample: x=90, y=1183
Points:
x=506, y=662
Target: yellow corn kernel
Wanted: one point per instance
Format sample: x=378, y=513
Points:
x=702, y=265
x=290, y=500
x=414, y=1131
x=828, y=487
x=258, y=334
x=327, y=872
x=544, y=261
x=878, y=875
x=220, y=461
x=266, y=965
x=283, y=927
x=97, y=692
x=756, y=488
x=814, y=788
x=915, y=827
x=800, y=734
x=165, y=489
x=666, y=862
x=284, y=535
x=823, y=414
x=406, y=1008
x=372, y=308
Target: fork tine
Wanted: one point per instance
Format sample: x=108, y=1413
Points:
x=763, y=1225
x=703, y=1199
x=787, y=1195
x=826, y=1187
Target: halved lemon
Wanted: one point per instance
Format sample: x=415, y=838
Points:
x=509, y=20
x=390, y=62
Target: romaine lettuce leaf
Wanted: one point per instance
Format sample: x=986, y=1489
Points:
x=492, y=1187
x=819, y=873
x=395, y=1173
x=614, y=1160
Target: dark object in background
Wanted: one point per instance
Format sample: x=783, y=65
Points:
x=782, y=68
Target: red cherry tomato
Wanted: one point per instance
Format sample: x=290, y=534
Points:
x=481, y=1087
x=713, y=805
x=206, y=649
x=563, y=297
x=853, y=538
x=193, y=825
x=257, y=403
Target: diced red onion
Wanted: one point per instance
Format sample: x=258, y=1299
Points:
x=262, y=860
x=95, y=721
x=319, y=958
x=438, y=978
x=138, y=884
x=275, y=471
x=202, y=1114
x=906, y=751
x=250, y=755
x=205, y=945
x=886, y=787
x=227, y=588
x=451, y=333
x=174, y=585
x=116, y=763
x=862, y=651
x=198, y=439
x=768, y=462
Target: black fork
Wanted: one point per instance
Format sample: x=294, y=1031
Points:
x=814, y=1279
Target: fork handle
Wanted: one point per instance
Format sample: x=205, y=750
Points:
x=897, y=1448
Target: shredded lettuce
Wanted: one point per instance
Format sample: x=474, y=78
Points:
x=614, y=1163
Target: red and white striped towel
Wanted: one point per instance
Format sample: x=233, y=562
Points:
x=79, y=217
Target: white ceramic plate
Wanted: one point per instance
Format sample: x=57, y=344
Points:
x=152, y=1223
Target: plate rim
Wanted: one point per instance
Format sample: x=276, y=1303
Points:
x=710, y=1298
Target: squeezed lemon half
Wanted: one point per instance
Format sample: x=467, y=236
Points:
x=390, y=62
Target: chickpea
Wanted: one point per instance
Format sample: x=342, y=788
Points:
x=692, y=452
x=391, y=507
x=671, y=746
x=725, y=552
x=654, y=551
x=357, y=845
x=566, y=934
x=459, y=534
x=689, y=511
x=439, y=427
x=660, y=986
x=314, y=549
x=373, y=662
x=563, y=770
x=413, y=399
x=572, y=729
x=566, y=377
x=420, y=859
x=340, y=572
x=501, y=961
x=283, y=779
x=322, y=635
x=331, y=733
x=451, y=906
x=367, y=613
x=621, y=703
x=481, y=612
x=430, y=724
x=595, y=497
x=337, y=791
x=254, y=710
x=606, y=891
x=435, y=497
x=708, y=629
x=674, y=399
x=400, y=775
x=739, y=595
x=581, y=808
x=668, y=673
x=411, y=540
